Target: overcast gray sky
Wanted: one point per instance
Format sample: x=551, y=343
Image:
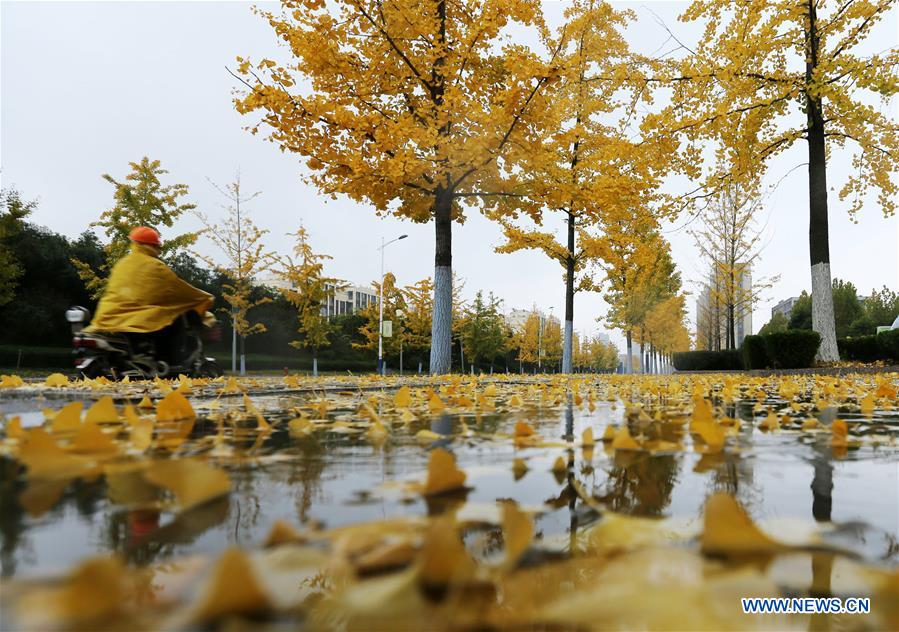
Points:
x=87, y=87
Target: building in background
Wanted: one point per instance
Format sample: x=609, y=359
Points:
x=348, y=300
x=712, y=312
x=784, y=307
x=516, y=318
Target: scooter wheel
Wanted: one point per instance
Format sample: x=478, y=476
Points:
x=209, y=368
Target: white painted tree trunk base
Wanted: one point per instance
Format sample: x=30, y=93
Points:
x=567, y=347
x=442, y=321
x=822, y=313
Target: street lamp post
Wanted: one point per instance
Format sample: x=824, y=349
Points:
x=381, y=306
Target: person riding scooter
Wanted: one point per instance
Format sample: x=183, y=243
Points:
x=144, y=296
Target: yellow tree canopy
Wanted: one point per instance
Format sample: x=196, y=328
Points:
x=392, y=102
x=749, y=80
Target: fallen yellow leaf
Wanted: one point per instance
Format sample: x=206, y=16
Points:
x=102, y=411
x=587, y=437
x=728, y=529
x=224, y=594
x=443, y=559
x=443, y=475
x=192, y=482
x=68, y=419
x=56, y=380
x=624, y=441
x=90, y=439
x=518, y=529
x=174, y=406
x=45, y=459
x=403, y=397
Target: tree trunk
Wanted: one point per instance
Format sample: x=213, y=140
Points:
x=315, y=363
x=442, y=321
x=731, y=328
x=628, y=364
x=243, y=355
x=567, y=347
x=819, y=246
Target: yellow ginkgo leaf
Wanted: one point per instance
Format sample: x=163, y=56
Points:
x=519, y=468
x=524, y=429
x=559, y=466
x=222, y=595
x=435, y=404
x=403, y=397
x=840, y=434
x=728, y=529
x=608, y=434
x=13, y=427
x=45, y=459
x=102, y=411
x=300, y=427
x=518, y=529
x=515, y=401
x=68, y=419
x=770, y=423
x=443, y=559
x=624, y=441
x=174, y=406
x=193, y=482
x=146, y=402
x=428, y=436
x=90, y=439
x=407, y=416
x=11, y=381
x=710, y=432
x=95, y=591
x=866, y=404
x=55, y=380
x=443, y=475
x=587, y=437
x=141, y=435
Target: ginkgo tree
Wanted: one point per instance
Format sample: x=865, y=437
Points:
x=639, y=271
x=419, y=108
x=140, y=200
x=13, y=213
x=244, y=258
x=307, y=289
x=769, y=74
x=730, y=244
x=594, y=161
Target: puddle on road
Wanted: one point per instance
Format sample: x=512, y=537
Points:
x=332, y=478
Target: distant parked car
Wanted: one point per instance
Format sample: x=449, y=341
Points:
x=896, y=323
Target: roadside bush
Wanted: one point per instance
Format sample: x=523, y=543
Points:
x=755, y=355
x=730, y=360
x=792, y=349
x=860, y=349
x=888, y=345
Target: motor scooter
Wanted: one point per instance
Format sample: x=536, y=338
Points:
x=138, y=356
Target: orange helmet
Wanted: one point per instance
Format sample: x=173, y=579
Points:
x=145, y=235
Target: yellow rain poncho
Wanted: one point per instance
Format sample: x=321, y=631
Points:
x=143, y=295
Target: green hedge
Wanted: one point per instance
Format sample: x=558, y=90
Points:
x=792, y=349
x=888, y=345
x=729, y=360
x=755, y=354
x=35, y=357
x=884, y=346
x=859, y=348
